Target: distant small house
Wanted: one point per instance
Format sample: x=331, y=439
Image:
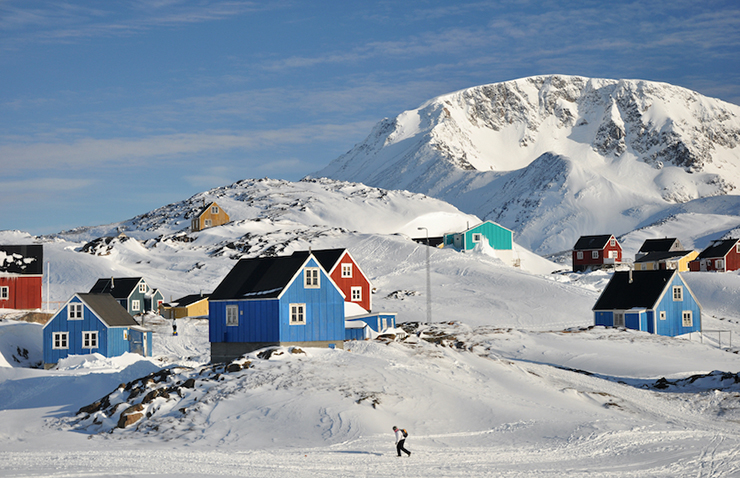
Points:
x=486, y=233
x=21, y=276
x=346, y=273
x=666, y=244
x=678, y=260
x=210, y=215
x=133, y=293
x=720, y=256
x=376, y=323
x=595, y=252
x=275, y=301
x=93, y=323
x=194, y=305
x=658, y=302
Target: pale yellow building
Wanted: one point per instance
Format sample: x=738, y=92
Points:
x=671, y=260
x=195, y=305
x=211, y=215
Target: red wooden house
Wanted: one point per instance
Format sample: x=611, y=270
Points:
x=21, y=276
x=595, y=252
x=346, y=273
x=720, y=256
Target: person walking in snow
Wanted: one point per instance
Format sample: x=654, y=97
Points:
x=400, y=440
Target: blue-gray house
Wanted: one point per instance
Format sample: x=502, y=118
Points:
x=133, y=293
x=93, y=323
x=658, y=302
x=275, y=301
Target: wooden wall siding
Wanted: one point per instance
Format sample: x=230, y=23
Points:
x=357, y=279
x=216, y=219
x=732, y=260
x=498, y=237
x=23, y=292
x=673, y=325
x=258, y=321
x=59, y=323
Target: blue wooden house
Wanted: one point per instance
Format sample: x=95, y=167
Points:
x=498, y=237
x=658, y=302
x=359, y=327
x=133, y=293
x=275, y=301
x=93, y=323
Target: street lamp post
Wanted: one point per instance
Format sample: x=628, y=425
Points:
x=429, y=282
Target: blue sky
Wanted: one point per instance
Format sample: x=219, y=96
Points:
x=112, y=109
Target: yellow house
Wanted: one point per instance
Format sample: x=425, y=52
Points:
x=211, y=215
x=195, y=305
x=671, y=260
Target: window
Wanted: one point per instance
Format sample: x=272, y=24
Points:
x=90, y=340
x=719, y=264
x=579, y=255
x=207, y=223
x=618, y=319
x=232, y=315
x=737, y=248
x=687, y=318
x=4, y=292
x=677, y=293
x=297, y=314
x=311, y=276
x=74, y=311
x=612, y=254
x=356, y=294
x=477, y=237
x=142, y=288
x=594, y=254
x=612, y=242
x=125, y=335
x=214, y=209
x=59, y=340
x=347, y=270
x=662, y=315
x=135, y=305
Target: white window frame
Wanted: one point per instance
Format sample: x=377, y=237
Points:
x=612, y=254
x=207, y=223
x=125, y=334
x=677, y=293
x=311, y=278
x=737, y=247
x=142, y=287
x=214, y=209
x=663, y=315
x=594, y=254
x=687, y=318
x=356, y=293
x=232, y=315
x=347, y=269
x=477, y=237
x=90, y=339
x=612, y=242
x=136, y=305
x=74, y=311
x=618, y=315
x=60, y=340
x=579, y=255
x=4, y=292
x=719, y=264
x=297, y=314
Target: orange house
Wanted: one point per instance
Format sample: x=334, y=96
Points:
x=209, y=216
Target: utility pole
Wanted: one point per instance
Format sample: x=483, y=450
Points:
x=429, y=282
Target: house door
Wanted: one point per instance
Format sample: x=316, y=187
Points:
x=137, y=342
x=618, y=319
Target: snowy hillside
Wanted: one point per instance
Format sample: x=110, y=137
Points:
x=556, y=157
x=509, y=380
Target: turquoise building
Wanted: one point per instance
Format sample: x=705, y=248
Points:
x=498, y=237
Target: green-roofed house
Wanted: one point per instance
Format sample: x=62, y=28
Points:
x=93, y=323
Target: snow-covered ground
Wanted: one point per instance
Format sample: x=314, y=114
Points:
x=509, y=380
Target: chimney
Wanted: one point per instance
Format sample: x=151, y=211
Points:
x=111, y=282
x=630, y=272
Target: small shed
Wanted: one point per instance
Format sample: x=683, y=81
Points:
x=93, y=323
x=658, y=302
x=497, y=236
x=193, y=305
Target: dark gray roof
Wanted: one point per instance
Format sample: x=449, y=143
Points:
x=188, y=300
x=328, y=258
x=659, y=256
x=644, y=290
x=660, y=245
x=717, y=249
x=258, y=278
x=22, y=259
x=592, y=242
x=118, y=287
x=108, y=309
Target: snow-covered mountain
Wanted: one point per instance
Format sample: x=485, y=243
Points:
x=555, y=157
